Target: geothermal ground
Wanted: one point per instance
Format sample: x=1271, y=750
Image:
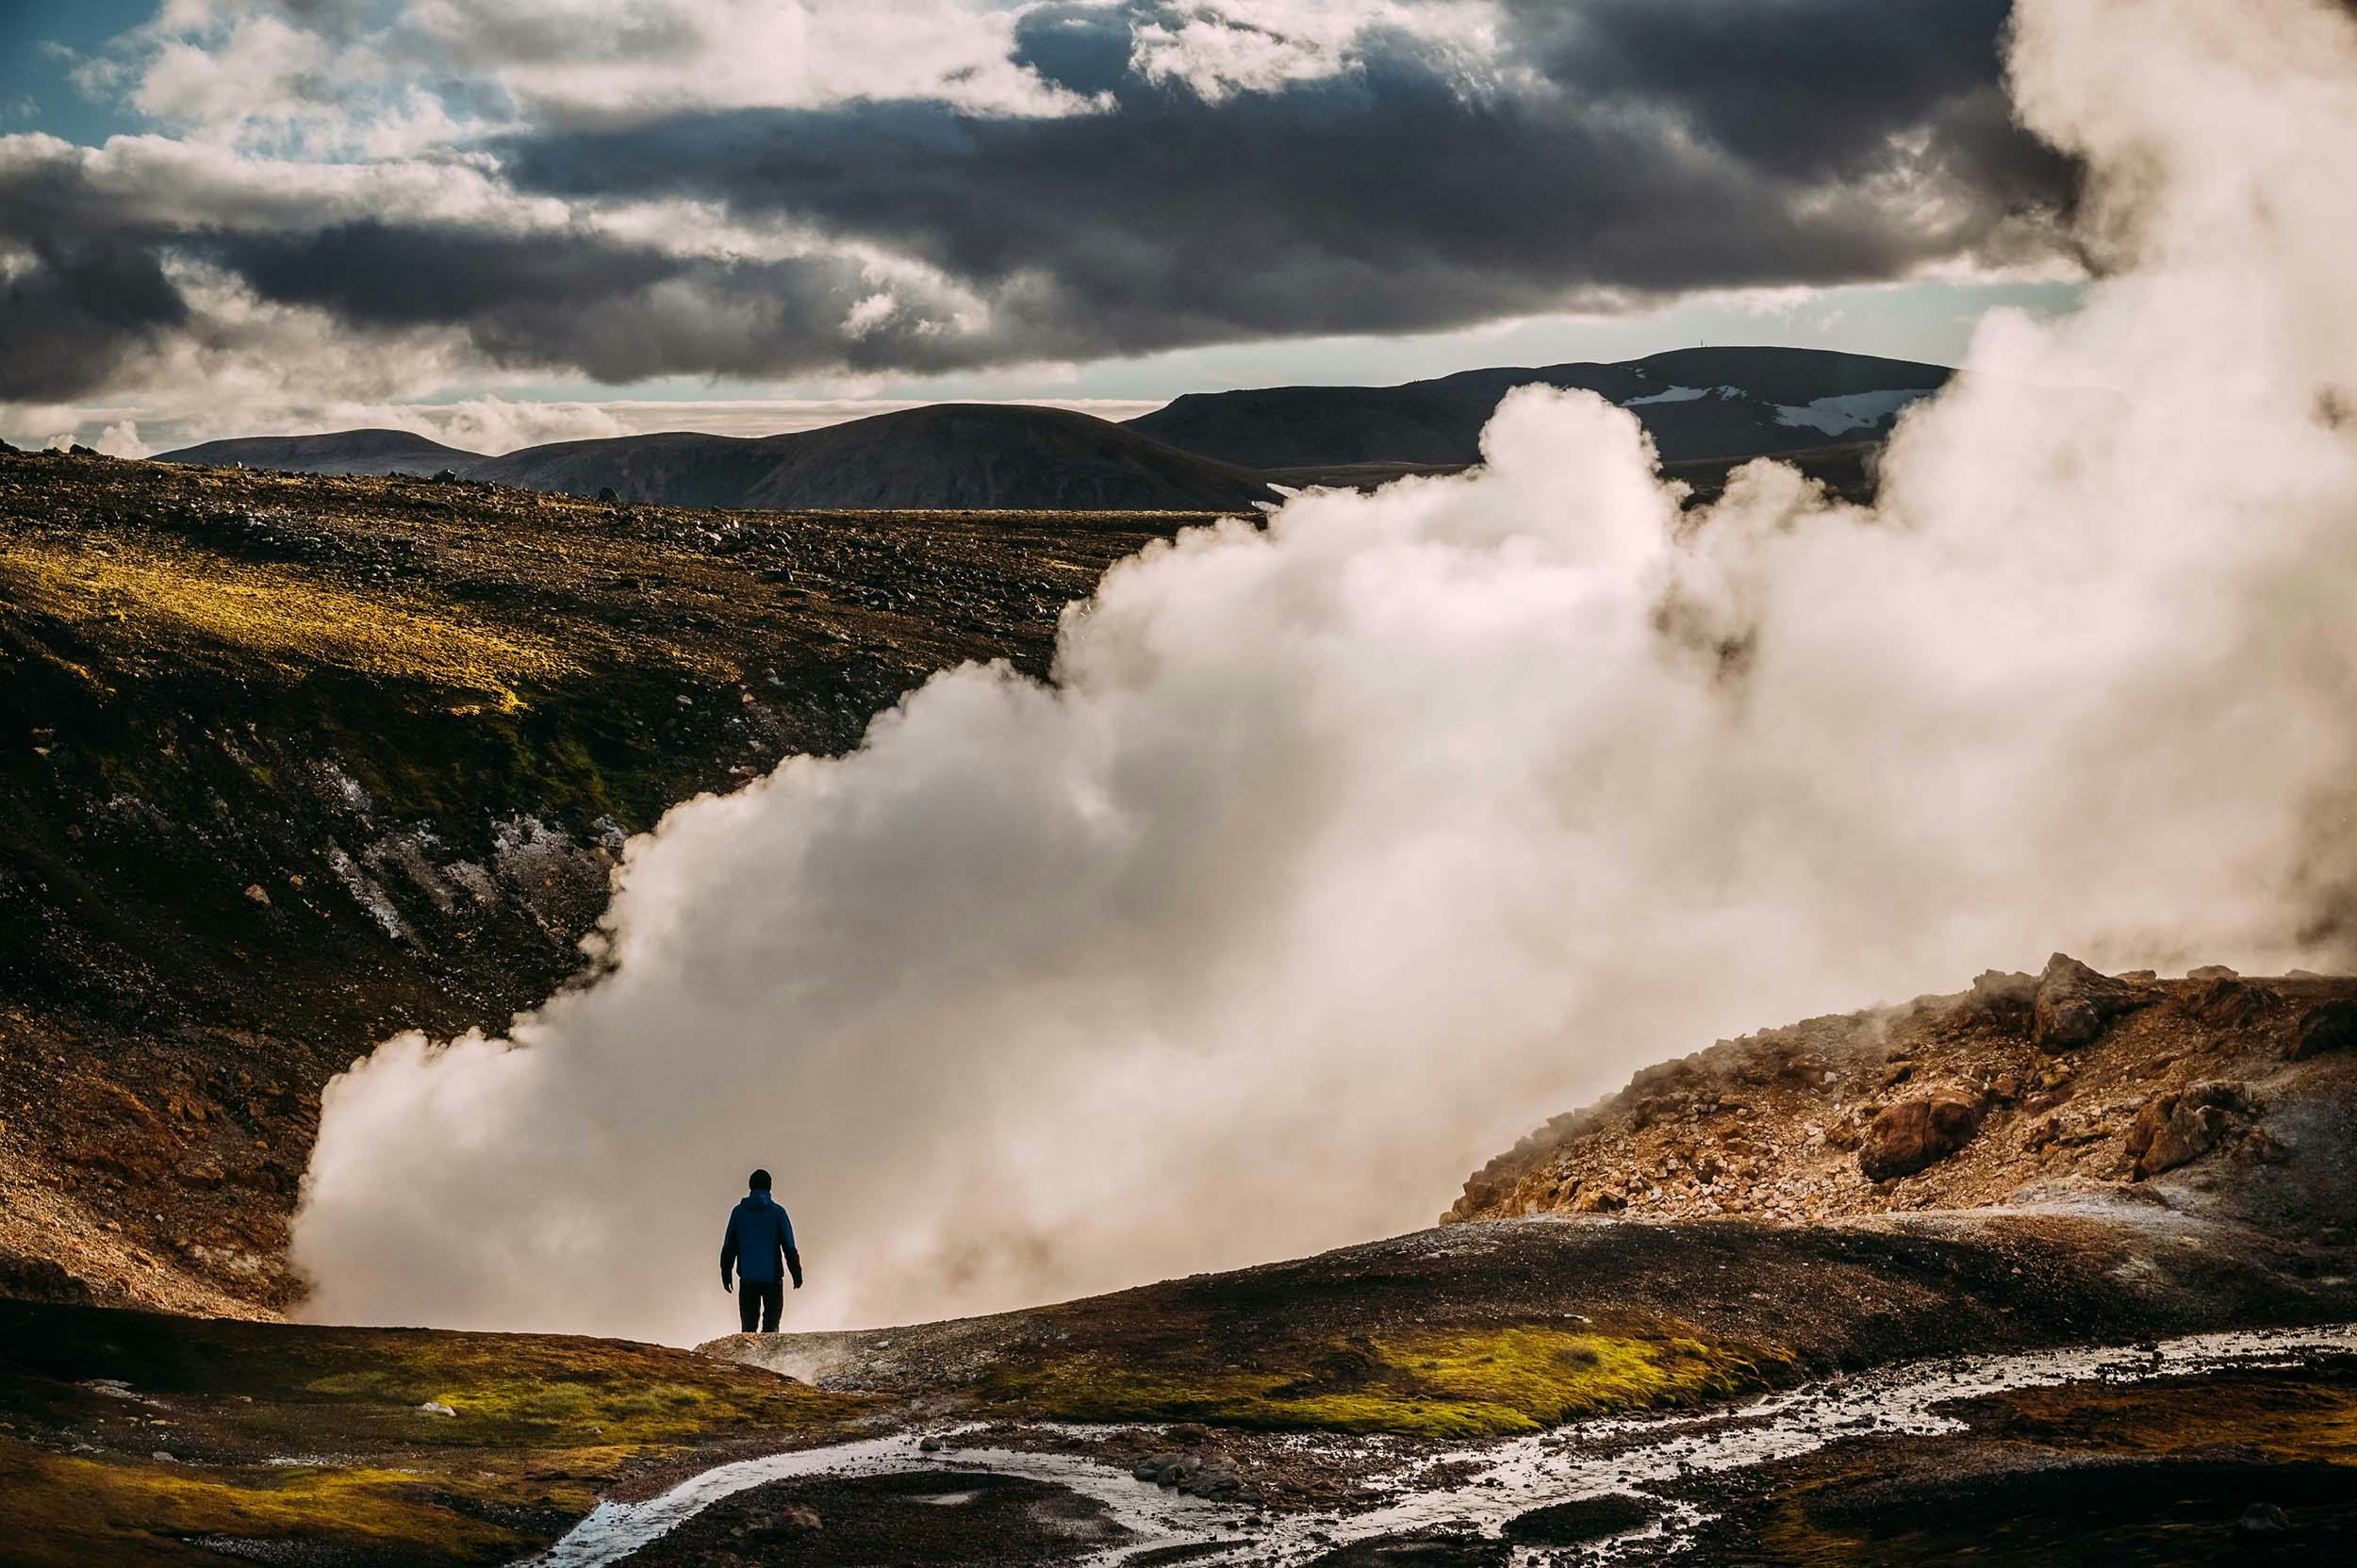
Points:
x=2055, y=1269
x=1893, y=1382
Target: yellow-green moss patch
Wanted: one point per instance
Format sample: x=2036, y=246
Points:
x=1443, y=1384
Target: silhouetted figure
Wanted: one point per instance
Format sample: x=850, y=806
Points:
x=760, y=1247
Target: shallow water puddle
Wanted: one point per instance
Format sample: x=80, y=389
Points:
x=1585, y=1460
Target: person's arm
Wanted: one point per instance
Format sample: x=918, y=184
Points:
x=728, y=1251
x=793, y=1259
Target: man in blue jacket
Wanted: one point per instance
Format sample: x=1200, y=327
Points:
x=760, y=1239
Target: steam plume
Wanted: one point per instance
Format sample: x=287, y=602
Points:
x=1337, y=853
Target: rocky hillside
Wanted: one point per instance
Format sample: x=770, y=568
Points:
x=286, y=763
x=2223, y=1097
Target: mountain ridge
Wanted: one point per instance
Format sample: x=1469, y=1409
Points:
x=1203, y=451
x=1680, y=395
x=950, y=455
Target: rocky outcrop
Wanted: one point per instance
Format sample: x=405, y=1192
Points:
x=2177, y=1130
x=2074, y=1003
x=2001, y=997
x=1914, y=1136
x=1843, y=1115
x=2229, y=1001
x=2327, y=1026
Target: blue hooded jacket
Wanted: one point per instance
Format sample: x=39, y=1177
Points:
x=759, y=1237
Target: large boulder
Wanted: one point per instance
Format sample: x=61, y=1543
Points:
x=2229, y=1001
x=2074, y=1003
x=2002, y=999
x=2326, y=1027
x=2177, y=1130
x=1915, y=1135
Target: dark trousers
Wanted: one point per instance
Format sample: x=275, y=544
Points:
x=766, y=1297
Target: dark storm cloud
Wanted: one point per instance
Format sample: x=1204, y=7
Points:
x=1587, y=156
x=1670, y=147
x=86, y=291
x=614, y=311
x=79, y=311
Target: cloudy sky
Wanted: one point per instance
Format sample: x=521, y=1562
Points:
x=500, y=222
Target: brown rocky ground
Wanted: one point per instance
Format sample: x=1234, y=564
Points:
x=289, y=762
x=2215, y=1096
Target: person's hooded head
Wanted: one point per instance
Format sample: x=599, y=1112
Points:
x=758, y=1183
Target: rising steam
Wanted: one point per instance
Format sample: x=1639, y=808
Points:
x=1336, y=854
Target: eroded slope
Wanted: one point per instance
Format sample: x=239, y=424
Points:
x=289, y=762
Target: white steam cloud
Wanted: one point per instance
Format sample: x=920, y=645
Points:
x=1337, y=855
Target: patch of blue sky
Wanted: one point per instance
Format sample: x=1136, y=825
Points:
x=41, y=44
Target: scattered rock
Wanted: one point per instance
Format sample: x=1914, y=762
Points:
x=1213, y=1483
x=929, y=1445
x=1580, y=1521
x=2074, y=1002
x=1914, y=1134
x=256, y=892
x=1427, y=1549
x=2326, y=1027
x=2213, y=971
x=1166, y=1469
x=434, y=1407
x=2228, y=1001
x=2263, y=1148
x=2003, y=996
x=2262, y=1521
x=2177, y=1130
x=606, y=496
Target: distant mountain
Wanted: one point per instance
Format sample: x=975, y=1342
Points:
x=364, y=451
x=1207, y=451
x=1698, y=404
x=953, y=455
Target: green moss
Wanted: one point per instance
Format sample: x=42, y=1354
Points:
x=66, y=1510
x=542, y=1424
x=1445, y=1384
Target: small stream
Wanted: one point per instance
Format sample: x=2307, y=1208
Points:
x=1583, y=1460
